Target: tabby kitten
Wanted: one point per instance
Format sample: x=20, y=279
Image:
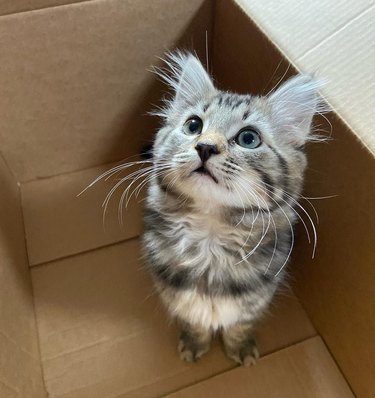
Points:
x=227, y=174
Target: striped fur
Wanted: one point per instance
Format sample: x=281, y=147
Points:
x=217, y=248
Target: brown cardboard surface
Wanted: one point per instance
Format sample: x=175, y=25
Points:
x=20, y=370
x=337, y=287
x=297, y=26
x=305, y=370
x=74, y=95
x=75, y=88
x=59, y=224
x=102, y=330
x=14, y=6
x=350, y=84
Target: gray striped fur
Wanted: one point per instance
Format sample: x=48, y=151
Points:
x=217, y=251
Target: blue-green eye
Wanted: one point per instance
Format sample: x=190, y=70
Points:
x=193, y=125
x=249, y=139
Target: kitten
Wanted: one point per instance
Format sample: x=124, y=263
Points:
x=227, y=174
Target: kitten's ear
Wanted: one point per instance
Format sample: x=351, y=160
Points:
x=294, y=104
x=187, y=78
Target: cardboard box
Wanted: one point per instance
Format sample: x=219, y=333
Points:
x=78, y=316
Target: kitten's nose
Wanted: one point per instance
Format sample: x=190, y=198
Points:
x=206, y=150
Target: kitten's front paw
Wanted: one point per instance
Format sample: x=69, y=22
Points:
x=246, y=353
x=191, y=350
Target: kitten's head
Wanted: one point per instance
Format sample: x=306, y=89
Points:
x=221, y=148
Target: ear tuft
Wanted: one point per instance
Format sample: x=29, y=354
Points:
x=188, y=79
x=295, y=103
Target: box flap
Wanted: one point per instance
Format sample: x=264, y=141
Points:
x=334, y=41
x=300, y=25
x=346, y=60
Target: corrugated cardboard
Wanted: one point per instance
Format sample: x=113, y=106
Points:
x=333, y=40
x=75, y=91
x=350, y=79
x=304, y=370
x=314, y=21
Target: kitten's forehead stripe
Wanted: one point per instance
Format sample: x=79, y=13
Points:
x=245, y=115
x=228, y=100
x=237, y=104
x=205, y=107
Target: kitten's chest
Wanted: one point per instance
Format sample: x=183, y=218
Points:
x=204, y=229
x=204, y=238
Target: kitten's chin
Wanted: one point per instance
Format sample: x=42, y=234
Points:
x=206, y=192
x=203, y=173
x=202, y=188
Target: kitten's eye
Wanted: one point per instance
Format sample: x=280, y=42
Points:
x=249, y=139
x=193, y=125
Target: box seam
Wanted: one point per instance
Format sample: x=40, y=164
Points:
x=110, y=163
x=50, y=262
x=33, y=295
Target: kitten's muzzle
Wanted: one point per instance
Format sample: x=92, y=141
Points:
x=205, y=151
x=203, y=170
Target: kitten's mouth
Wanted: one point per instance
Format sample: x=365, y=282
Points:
x=203, y=171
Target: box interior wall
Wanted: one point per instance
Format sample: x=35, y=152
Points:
x=82, y=322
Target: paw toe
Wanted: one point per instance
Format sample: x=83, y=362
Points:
x=190, y=354
x=246, y=354
x=249, y=360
